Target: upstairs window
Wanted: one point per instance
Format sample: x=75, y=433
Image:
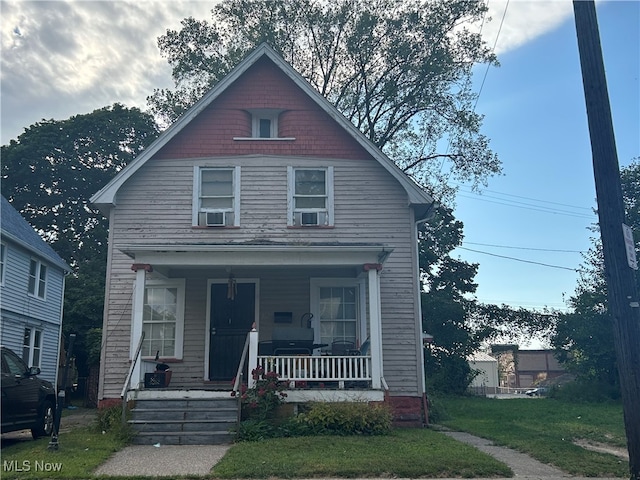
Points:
x=310, y=197
x=216, y=192
x=264, y=123
x=37, y=279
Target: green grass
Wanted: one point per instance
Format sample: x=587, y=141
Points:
x=80, y=451
x=545, y=429
x=409, y=453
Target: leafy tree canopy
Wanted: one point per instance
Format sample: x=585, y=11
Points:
x=55, y=166
x=583, y=339
x=48, y=174
x=400, y=71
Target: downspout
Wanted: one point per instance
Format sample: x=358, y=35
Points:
x=428, y=214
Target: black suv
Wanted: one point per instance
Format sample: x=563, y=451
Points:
x=27, y=401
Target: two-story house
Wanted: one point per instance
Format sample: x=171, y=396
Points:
x=262, y=206
x=31, y=293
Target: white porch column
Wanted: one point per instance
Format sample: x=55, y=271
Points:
x=375, y=320
x=253, y=355
x=137, y=376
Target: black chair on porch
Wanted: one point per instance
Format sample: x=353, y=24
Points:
x=343, y=347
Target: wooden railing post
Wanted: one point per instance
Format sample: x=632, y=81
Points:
x=253, y=355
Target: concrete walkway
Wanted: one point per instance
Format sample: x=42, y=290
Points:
x=163, y=461
x=173, y=460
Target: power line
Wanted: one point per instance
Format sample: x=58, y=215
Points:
x=524, y=248
x=525, y=198
x=525, y=206
x=519, y=259
x=486, y=72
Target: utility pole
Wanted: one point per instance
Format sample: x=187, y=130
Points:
x=623, y=300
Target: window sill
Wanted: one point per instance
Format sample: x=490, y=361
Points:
x=315, y=227
x=260, y=139
x=226, y=227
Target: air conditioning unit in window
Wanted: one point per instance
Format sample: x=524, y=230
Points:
x=216, y=219
x=311, y=219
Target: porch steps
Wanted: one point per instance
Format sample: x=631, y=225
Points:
x=184, y=421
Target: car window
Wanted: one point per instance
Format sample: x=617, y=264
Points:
x=14, y=365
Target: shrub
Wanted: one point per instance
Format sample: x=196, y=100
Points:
x=346, y=418
x=260, y=401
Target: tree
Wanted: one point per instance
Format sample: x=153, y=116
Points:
x=49, y=173
x=583, y=338
x=445, y=309
x=400, y=71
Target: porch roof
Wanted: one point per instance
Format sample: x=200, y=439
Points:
x=258, y=254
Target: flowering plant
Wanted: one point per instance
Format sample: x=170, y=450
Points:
x=260, y=401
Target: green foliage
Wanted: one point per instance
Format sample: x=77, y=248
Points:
x=583, y=339
x=49, y=173
x=399, y=71
x=584, y=391
x=546, y=429
x=347, y=418
x=109, y=420
x=404, y=453
x=342, y=418
x=260, y=401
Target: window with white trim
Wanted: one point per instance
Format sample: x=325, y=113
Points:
x=163, y=319
x=37, y=278
x=3, y=261
x=264, y=123
x=310, y=196
x=216, y=196
x=336, y=303
x=32, y=347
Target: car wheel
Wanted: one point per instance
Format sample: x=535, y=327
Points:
x=45, y=421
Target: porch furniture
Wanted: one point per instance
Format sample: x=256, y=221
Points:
x=342, y=347
x=292, y=341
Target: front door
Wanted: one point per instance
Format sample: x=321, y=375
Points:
x=232, y=315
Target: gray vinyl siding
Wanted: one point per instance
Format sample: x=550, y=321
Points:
x=21, y=310
x=155, y=207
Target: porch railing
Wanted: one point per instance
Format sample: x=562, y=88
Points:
x=319, y=369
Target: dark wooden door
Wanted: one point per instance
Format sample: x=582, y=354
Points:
x=231, y=320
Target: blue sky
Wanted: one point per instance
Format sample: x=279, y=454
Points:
x=61, y=58
x=536, y=118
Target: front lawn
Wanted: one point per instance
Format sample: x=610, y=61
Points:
x=546, y=429
x=408, y=453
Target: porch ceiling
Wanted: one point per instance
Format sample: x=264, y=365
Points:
x=211, y=255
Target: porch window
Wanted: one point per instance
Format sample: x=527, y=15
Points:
x=310, y=196
x=338, y=314
x=216, y=197
x=32, y=347
x=163, y=320
x=37, y=279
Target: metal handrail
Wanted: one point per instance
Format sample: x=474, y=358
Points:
x=125, y=387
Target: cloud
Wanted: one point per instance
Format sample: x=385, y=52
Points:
x=524, y=20
x=61, y=58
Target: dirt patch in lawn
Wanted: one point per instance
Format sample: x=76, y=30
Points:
x=620, y=452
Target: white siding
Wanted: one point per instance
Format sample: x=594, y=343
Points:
x=154, y=207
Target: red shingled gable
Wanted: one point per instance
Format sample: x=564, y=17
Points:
x=263, y=85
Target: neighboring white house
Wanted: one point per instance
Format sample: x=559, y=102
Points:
x=486, y=382
x=31, y=293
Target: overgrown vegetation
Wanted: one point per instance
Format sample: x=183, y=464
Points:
x=545, y=428
x=109, y=420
